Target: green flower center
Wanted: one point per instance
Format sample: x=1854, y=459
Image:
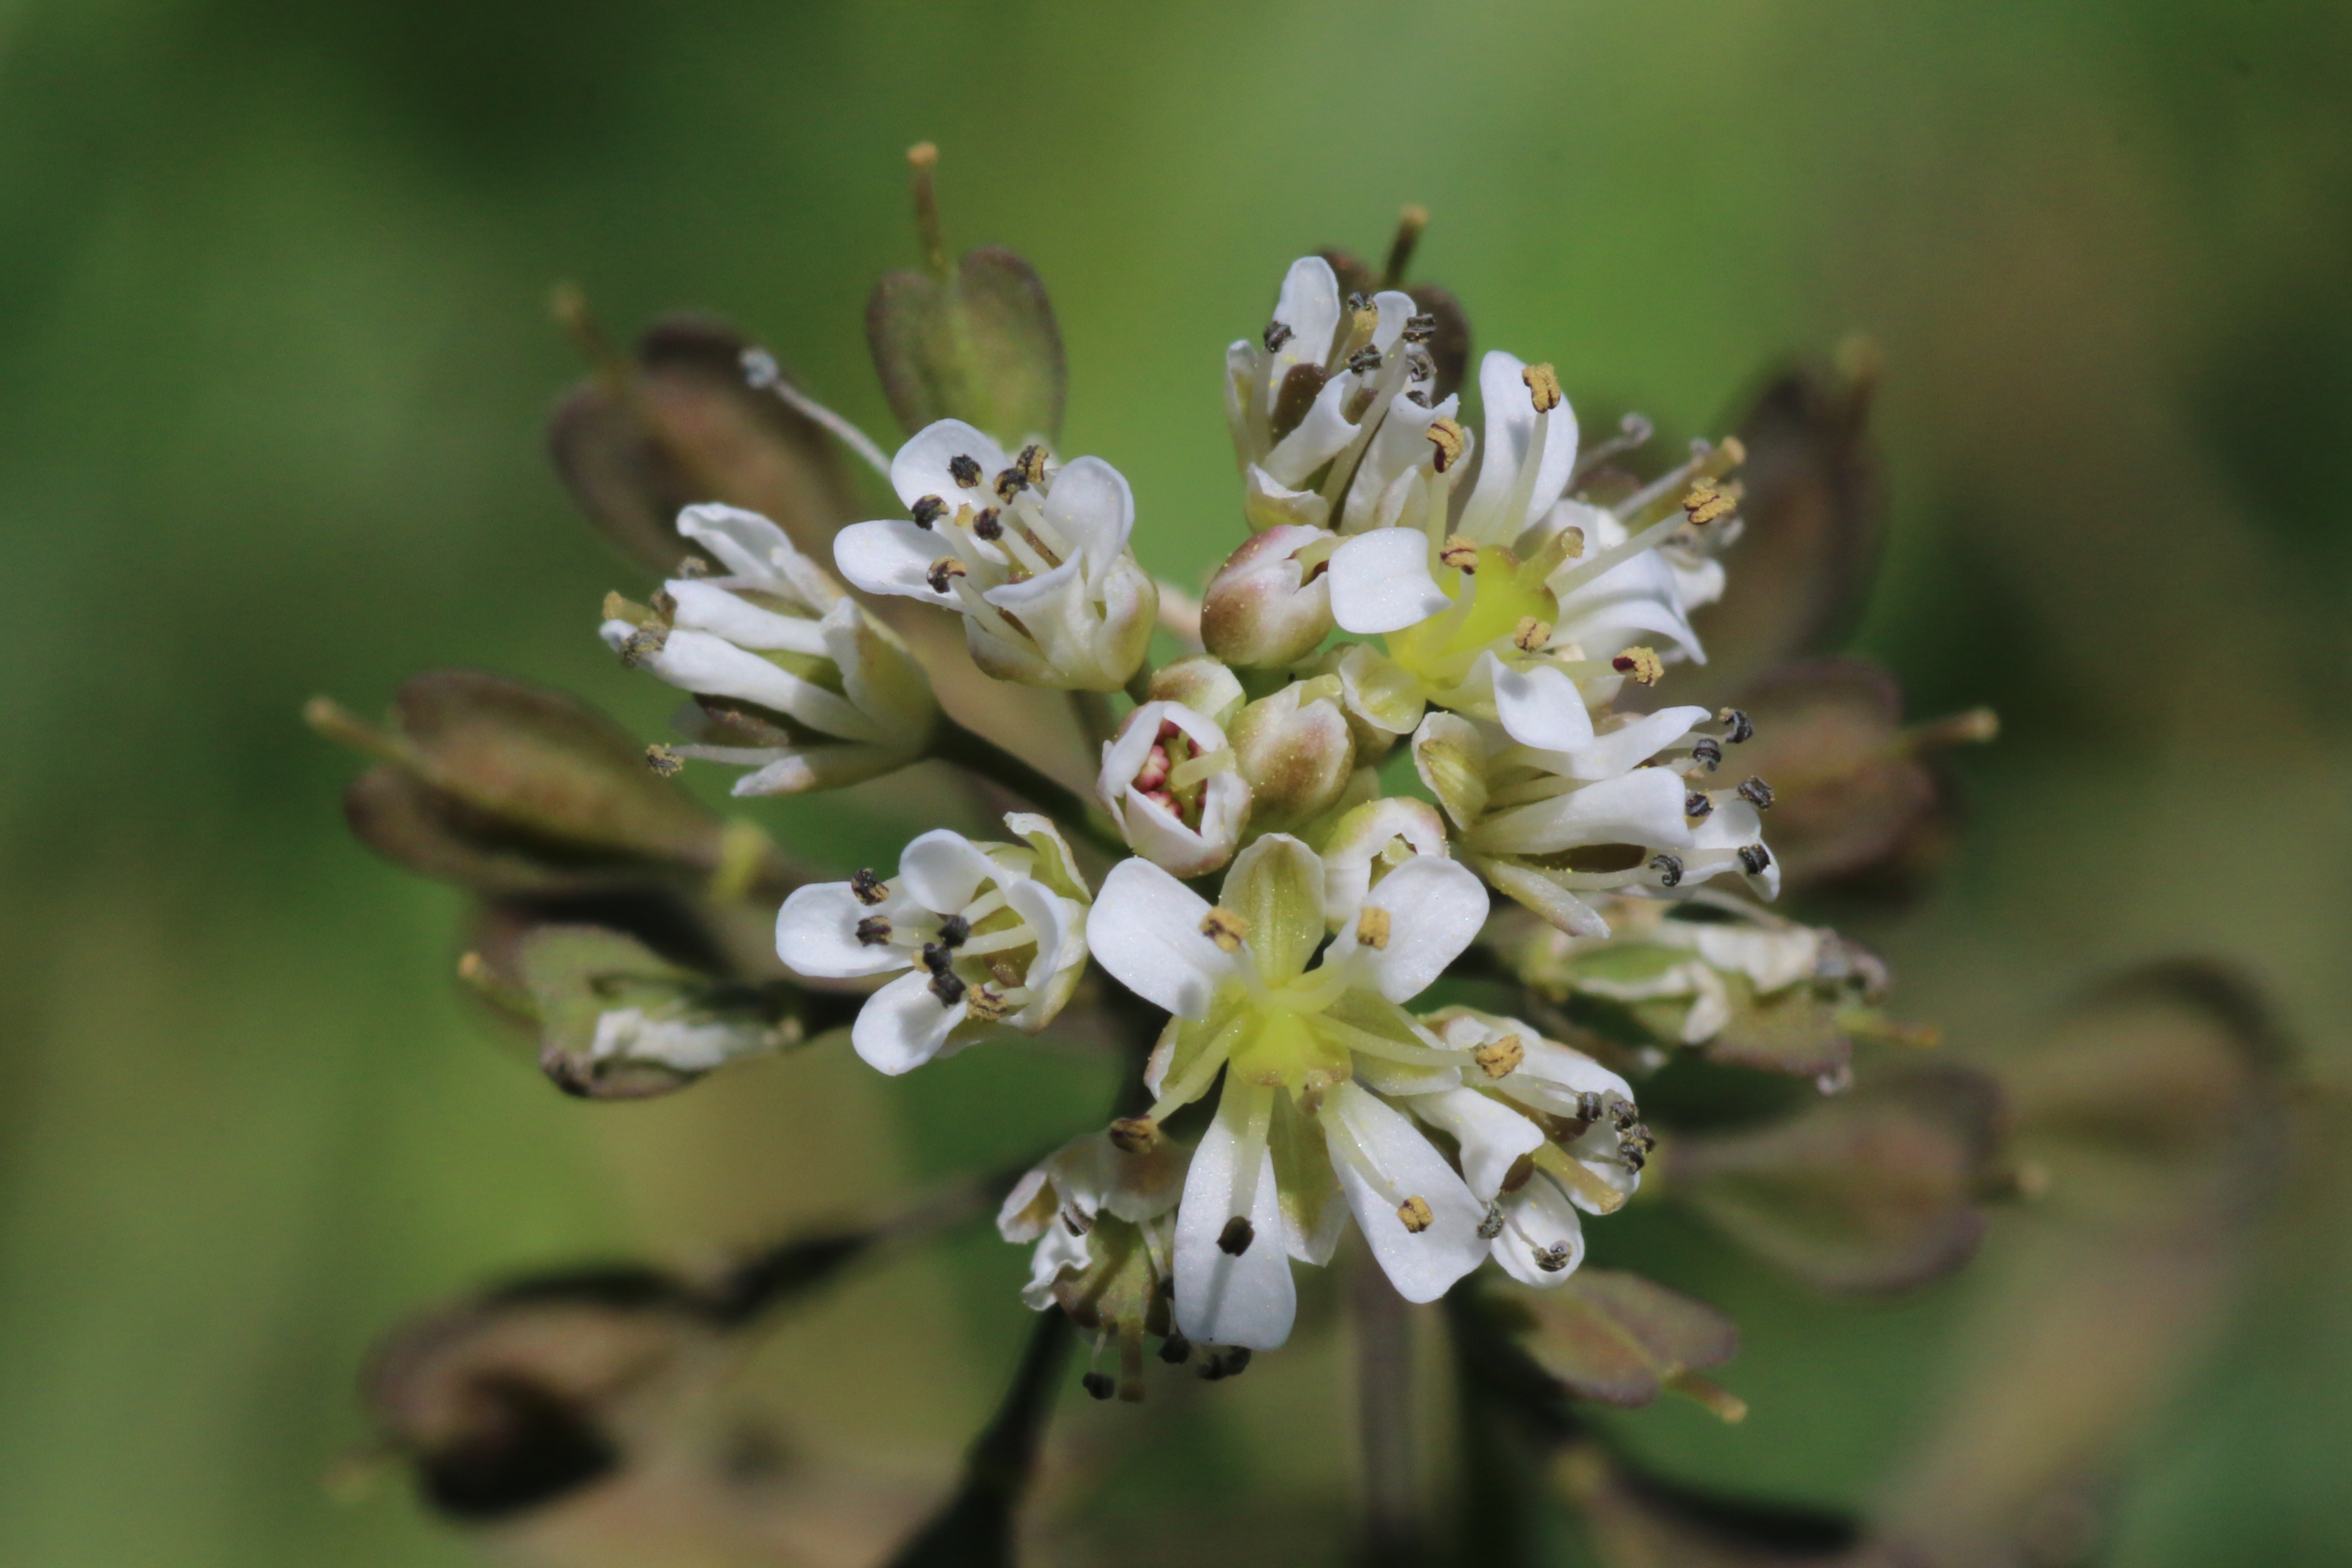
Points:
x=1441, y=649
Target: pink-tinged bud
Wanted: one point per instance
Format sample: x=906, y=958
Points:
x=1169, y=781
x=1295, y=750
x=1270, y=603
x=1201, y=683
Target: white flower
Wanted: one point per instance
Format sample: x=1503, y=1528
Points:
x=1035, y=558
x=1060, y=1204
x=1543, y=782
x=1366, y=843
x=991, y=933
x=1305, y=1133
x=1582, y=1147
x=792, y=678
x=1170, y=784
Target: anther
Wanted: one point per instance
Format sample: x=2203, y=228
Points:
x=964, y=469
x=1175, y=1350
x=948, y=987
x=1420, y=329
x=1754, y=859
x=1459, y=553
x=1742, y=729
x=1011, y=483
x=868, y=888
x=1707, y=504
x=1698, y=805
x=1543, y=387
x=1358, y=302
x=1530, y=634
x=1235, y=1239
x=642, y=644
x=1756, y=793
x=1492, y=1225
x=692, y=566
x=1134, y=1134
x=945, y=568
x=1590, y=1107
x=1365, y=360
x=987, y=1006
x=1031, y=464
x=1624, y=1114
x=938, y=957
x=1414, y=1214
x=665, y=762
x=1225, y=1363
x=1707, y=752
x=1224, y=928
x=1640, y=665
x=1373, y=927
x=987, y=526
x=1417, y=397
x=1553, y=1259
x=1075, y=1220
x=1419, y=365
x=1276, y=335
x=1097, y=1384
x=1669, y=868
x=1450, y=440
x=929, y=510
x=1500, y=1058
x=873, y=930
x=954, y=931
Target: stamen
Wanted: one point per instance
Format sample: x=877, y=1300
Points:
x=1224, y=928
x=1707, y=502
x=1449, y=439
x=988, y=1007
x=1543, y=387
x=1031, y=463
x=1075, y=1220
x=1590, y=1107
x=1530, y=634
x=1365, y=360
x=1754, y=859
x=1224, y=1364
x=1642, y=665
x=642, y=644
x=1459, y=553
x=1707, y=752
x=1553, y=1259
x=1134, y=1134
x=1276, y=335
x=1410, y=223
x=1235, y=1239
x=987, y=526
x=873, y=930
x=936, y=957
x=1492, y=1225
x=1624, y=1114
x=1420, y=329
x=1742, y=730
x=947, y=988
x=1098, y=1385
x=868, y=888
x=1669, y=868
x=1756, y=793
x=1175, y=1350
x=929, y=511
x=1373, y=927
x=943, y=570
x=1697, y=805
x=762, y=374
x=964, y=469
x=1011, y=483
x=1499, y=1058
x=665, y=762
x=693, y=566
x=954, y=931
x=1414, y=1214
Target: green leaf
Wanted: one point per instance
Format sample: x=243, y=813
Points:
x=980, y=345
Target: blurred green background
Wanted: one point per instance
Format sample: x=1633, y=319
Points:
x=273, y=360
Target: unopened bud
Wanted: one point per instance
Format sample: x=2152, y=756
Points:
x=1202, y=683
x=1267, y=607
x=1295, y=755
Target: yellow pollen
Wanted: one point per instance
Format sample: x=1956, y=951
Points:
x=1640, y=664
x=1449, y=439
x=1500, y=1058
x=1706, y=503
x=1415, y=1214
x=1530, y=634
x=1459, y=553
x=1543, y=387
x=1225, y=929
x=986, y=1006
x=1373, y=927
x=1134, y=1134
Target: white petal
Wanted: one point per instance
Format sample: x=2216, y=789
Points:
x=1540, y=707
x=1091, y=507
x=1606, y=755
x=1510, y=428
x=892, y=556
x=942, y=871
x=1645, y=807
x=921, y=467
x=1491, y=1136
x=705, y=606
x=1434, y=908
x=817, y=934
x=746, y=543
x=1221, y=1298
x=1422, y=1266
x=1059, y=1252
x=1380, y=581
x=1029, y=1208
x=1310, y=307
x=1550, y=1077
x=1537, y=1217
x=903, y=1025
x=1146, y=929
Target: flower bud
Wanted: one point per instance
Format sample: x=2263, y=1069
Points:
x=1369, y=841
x=1202, y=684
x=1168, y=782
x=1295, y=751
x=1451, y=758
x=1267, y=607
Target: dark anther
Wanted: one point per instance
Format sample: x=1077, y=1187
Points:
x=1756, y=793
x=1753, y=859
x=987, y=526
x=937, y=958
x=1418, y=398
x=1011, y=483
x=1097, y=1384
x=874, y=929
x=945, y=570
x=1420, y=329
x=1218, y=1366
x=1365, y=360
x=1358, y=302
x=1669, y=868
x=1708, y=753
x=1631, y=1155
x=1031, y=464
x=1276, y=335
x=964, y=469
x=954, y=931
x=1076, y=1221
x=1175, y=1350
x=1418, y=365
x=1590, y=1107
x=1553, y=1259
x=868, y=888
x=929, y=510
x=1697, y=804
x=1235, y=1239
x=1741, y=729
x=1624, y=1115
x=947, y=988
x=1492, y=1225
